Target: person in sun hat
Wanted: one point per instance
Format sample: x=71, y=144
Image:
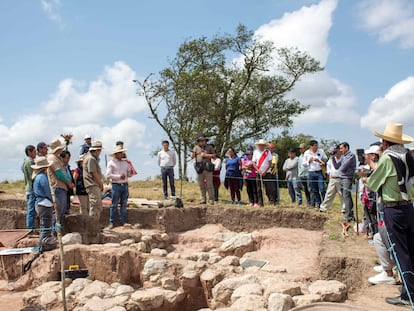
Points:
x=80, y=186
x=43, y=199
x=262, y=158
x=392, y=177
x=58, y=176
x=86, y=145
x=92, y=178
x=203, y=153
x=118, y=172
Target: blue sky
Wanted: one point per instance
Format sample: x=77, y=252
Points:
x=66, y=66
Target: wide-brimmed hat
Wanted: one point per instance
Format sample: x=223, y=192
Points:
x=87, y=136
x=202, y=137
x=117, y=149
x=261, y=142
x=56, y=145
x=372, y=150
x=40, y=162
x=394, y=133
x=302, y=145
x=96, y=145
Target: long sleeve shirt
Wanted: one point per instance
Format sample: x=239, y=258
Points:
x=314, y=166
x=41, y=190
x=303, y=169
x=166, y=158
x=27, y=172
x=116, y=168
x=291, y=168
x=346, y=167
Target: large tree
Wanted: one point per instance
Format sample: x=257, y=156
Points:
x=225, y=88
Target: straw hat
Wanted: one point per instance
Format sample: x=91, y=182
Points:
x=261, y=142
x=394, y=133
x=96, y=145
x=56, y=145
x=40, y=162
x=117, y=149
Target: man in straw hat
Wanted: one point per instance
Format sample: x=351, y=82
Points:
x=58, y=176
x=262, y=158
x=92, y=178
x=118, y=172
x=392, y=179
x=44, y=201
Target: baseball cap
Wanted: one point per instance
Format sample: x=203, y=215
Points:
x=372, y=150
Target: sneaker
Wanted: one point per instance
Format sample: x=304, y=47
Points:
x=382, y=278
x=378, y=268
x=232, y=202
x=323, y=209
x=256, y=205
x=239, y=203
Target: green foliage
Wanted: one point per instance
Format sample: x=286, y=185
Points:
x=201, y=91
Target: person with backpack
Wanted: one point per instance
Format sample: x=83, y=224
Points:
x=392, y=178
x=44, y=203
x=80, y=187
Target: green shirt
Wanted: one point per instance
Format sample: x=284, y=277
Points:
x=27, y=172
x=384, y=177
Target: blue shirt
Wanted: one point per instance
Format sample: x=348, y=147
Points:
x=233, y=167
x=41, y=188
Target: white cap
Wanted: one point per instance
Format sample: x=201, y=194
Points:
x=87, y=136
x=372, y=150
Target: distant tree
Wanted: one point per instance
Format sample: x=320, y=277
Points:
x=202, y=91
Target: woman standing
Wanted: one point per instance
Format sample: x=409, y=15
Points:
x=233, y=175
x=250, y=178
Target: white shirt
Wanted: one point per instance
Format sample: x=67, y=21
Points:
x=314, y=166
x=217, y=164
x=166, y=158
x=257, y=154
x=330, y=168
x=116, y=168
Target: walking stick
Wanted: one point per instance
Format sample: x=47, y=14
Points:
x=356, y=205
x=261, y=187
x=59, y=236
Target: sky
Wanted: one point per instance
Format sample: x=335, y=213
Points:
x=67, y=67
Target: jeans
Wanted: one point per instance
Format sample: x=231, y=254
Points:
x=346, y=185
x=167, y=172
x=400, y=226
x=62, y=202
x=304, y=184
x=294, y=191
x=120, y=195
x=31, y=210
x=46, y=216
x=317, y=186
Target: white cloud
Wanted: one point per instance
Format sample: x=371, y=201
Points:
x=107, y=108
x=51, y=8
x=389, y=20
x=308, y=29
x=396, y=106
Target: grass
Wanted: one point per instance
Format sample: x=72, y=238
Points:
x=152, y=190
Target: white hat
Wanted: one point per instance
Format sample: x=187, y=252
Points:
x=56, y=145
x=117, y=149
x=372, y=150
x=261, y=142
x=96, y=145
x=87, y=136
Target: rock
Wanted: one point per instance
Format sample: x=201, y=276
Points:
x=170, y=297
x=198, y=256
x=141, y=247
x=117, y=308
x=30, y=297
x=238, y=245
x=53, y=286
x=303, y=300
x=222, y=292
x=224, y=236
x=127, y=242
x=154, y=267
x=157, y=252
x=214, y=258
x=48, y=298
x=111, y=245
x=230, y=261
x=123, y=290
x=210, y=278
x=274, y=269
x=279, y=302
x=165, y=237
x=168, y=283
x=77, y=286
x=99, y=304
x=333, y=291
x=247, y=289
x=72, y=238
x=190, y=279
x=94, y=289
x=274, y=285
x=249, y=303
x=148, y=299
x=173, y=255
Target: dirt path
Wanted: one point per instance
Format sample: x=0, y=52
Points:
x=11, y=301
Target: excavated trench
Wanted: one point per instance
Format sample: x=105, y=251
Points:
x=283, y=238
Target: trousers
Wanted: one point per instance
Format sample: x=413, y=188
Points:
x=167, y=174
x=205, y=182
x=45, y=215
x=317, y=186
x=120, y=193
x=95, y=201
x=334, y=188
x=31, y=210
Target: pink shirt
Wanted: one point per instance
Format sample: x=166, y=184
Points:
x=251, y=172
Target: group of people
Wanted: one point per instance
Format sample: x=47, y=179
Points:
x=49, y=180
